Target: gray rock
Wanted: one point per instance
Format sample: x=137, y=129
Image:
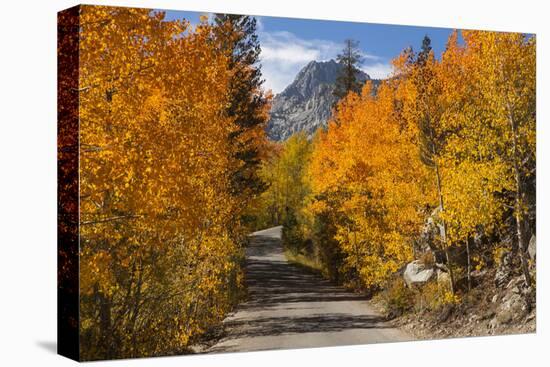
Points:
x=306, y=104
x=501, y=276
x=513, y=307
x=478, y=273
x=435, y=223
x=488, y=314
x=532, y=248
x=416, y=273
x=504, y=317
x=515, y=282
x=504, y=271
x=429, y=238
x=513, y=303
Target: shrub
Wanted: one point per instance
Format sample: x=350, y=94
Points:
x=396, y=298
x=433, y=296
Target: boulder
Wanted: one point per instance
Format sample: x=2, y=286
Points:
x=504, y=271
x=504, y=317
x=501, y=276
x=416, y=273
x=515, y=283
x=426, y=242
x=513, y=305
x=475, y=274
x=532, y=248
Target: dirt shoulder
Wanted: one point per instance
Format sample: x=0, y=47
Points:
x=486, y=310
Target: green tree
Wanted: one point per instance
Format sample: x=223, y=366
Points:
x=350, y=59
x=288, y=187
x=425, y=50
x=249, y=103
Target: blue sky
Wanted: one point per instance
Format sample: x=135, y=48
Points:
x=288, y=44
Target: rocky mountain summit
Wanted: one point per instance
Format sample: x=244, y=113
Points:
x=307, y=102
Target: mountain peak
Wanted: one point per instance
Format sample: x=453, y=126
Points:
x=306, y=103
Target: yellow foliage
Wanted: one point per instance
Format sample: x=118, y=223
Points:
x=160, y=233
x=456, y=133
x=365, y=168
x=433, y=296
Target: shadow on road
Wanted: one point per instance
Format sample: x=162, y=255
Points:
x=273, y=326
x=271, y=280
x=286, y=300
x=263, y=246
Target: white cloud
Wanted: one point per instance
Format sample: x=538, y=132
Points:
x=377, y=70
x=368, y=57
x=284, y=54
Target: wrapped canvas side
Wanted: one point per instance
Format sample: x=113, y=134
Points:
x=68, y=184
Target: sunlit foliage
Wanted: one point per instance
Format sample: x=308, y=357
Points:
x=160, y=232
x=453, y=137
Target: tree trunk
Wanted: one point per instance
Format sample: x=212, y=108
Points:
x=105, y=330
x=357, y=255
x=521, y=241
x=444, y=229
x=135, y=310
x=469, y=266
x=518, y=211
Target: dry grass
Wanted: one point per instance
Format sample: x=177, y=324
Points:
x=303, y=261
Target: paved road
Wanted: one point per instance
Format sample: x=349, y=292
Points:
x=289, y=307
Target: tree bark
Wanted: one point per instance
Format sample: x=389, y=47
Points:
x=469, y=266
x=518, y=211
x=444, y=228
x=136, y=307
x=105, y=329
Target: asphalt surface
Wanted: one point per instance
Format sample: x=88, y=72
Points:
x=289, y=307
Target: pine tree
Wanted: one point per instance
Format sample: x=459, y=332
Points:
x=350, y=59
x=249, y=104
x=425, y=50
x=159, y=249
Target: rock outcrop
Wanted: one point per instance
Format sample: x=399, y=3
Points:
x=306, y=104
x=532, y=249
x=416, y=273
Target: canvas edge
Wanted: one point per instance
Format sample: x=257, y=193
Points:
x=68, y=147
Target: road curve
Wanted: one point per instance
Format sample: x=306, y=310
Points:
x=289, y=307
